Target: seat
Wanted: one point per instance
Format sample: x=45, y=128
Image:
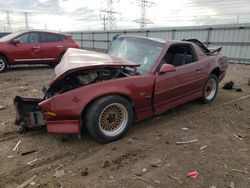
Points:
x=178, y=60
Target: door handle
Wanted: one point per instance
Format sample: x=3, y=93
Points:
x=59, y=46
x=199, y=69
x=36, y=47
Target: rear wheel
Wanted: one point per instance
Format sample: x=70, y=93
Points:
x=210, y=90
x=108, y=118
x=3, y=64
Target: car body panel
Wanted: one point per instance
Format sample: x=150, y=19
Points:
x=149, y=94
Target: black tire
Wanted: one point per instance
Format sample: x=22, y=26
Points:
x=210, y=89
x=111, y=107
x=3, y=64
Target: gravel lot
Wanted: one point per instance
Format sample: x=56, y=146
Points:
x=146, y=157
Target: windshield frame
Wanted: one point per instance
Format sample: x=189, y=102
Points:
x=149, y=43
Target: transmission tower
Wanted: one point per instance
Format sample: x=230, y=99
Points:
x=8, y=21
x=26, y=18
x=143, y=21
x=109, y=20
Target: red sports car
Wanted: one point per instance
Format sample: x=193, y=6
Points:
x=137, y=79
x=33, y=47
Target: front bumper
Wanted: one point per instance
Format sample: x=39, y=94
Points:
x=30, y=115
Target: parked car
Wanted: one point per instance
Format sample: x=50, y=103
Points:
x=137, y=79
x=33, y=47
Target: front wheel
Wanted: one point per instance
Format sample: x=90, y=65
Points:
x=3, y=64
x=210, y=90
x=108, y=118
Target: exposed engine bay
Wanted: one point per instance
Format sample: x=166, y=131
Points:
x=85, y=77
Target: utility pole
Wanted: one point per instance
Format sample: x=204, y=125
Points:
x=8, y=21
x=109, y=19
x=143, y=21
x=26, y=18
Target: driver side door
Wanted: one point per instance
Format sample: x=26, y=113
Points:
x=182, y=85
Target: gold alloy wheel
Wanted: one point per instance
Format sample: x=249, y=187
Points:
x=113, y=119
x=210, y=89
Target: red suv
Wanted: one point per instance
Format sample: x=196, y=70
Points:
x=33, y=47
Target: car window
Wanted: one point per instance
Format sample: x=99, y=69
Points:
x=29, y=38
x=50, y=37
x=179, y=55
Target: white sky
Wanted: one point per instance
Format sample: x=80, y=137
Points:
x=73, y=15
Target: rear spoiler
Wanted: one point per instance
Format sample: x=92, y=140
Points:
x=203, y=47
x=216, y=50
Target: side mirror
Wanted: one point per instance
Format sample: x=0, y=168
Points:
x=167, y=68
x=16, y=41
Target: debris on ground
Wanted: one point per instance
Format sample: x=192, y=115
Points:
x=194, y=174
x=17, y=145
x=144, y=170
x=184, y=129
x=203, y=147
x=2, y=107
x=31, y=163
x=28, y=152
x=23, y=88
x=106, y=164
x=27, y=182
x=10, y=156
x=242, y=171
x=84, y=172
x=156, y=162
x=228, y=85
x=174, y=178
x=187, y=142
x=59, y=173
x=242, y=135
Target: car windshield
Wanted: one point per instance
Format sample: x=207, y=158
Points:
x=139, y=50
x=9, y=36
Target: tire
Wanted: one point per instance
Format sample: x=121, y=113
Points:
x=210, y=89
x=109, y=118
x=3, y=64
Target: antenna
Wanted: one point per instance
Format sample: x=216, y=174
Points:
x=143, y=21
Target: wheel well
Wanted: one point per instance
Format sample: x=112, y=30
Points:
x=216, y=72
x=83, y=113
x=2, y=54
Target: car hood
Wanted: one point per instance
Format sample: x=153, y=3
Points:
x=78, y=59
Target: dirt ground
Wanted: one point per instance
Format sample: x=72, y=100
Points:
x=147, y=156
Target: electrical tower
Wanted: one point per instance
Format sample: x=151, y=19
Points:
x=108, y=16
x=8, y=23
x=26, y=18
x=143, y=21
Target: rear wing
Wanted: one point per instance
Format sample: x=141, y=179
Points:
x=203, y=47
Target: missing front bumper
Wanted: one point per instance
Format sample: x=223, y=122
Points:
x=28, y=112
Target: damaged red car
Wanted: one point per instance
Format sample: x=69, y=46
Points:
x=138, y=78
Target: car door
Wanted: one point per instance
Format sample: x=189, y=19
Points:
x=182, y=85
x=27, y=50
x=52, y=46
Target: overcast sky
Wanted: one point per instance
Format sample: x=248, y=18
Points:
x=73, y=15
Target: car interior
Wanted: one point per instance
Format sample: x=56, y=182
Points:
x=178, y=55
